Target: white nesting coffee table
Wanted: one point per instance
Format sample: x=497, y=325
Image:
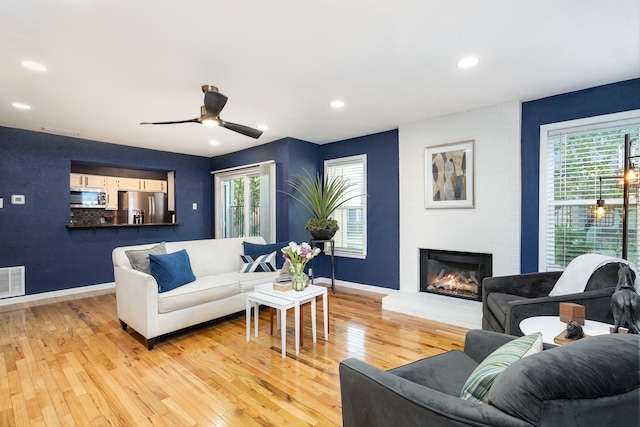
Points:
x=551, y=326
x=254, y=300
x=310, y=293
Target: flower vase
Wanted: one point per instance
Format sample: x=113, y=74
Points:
x=299, y=279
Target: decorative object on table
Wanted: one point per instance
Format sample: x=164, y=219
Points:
x=572, y=312
x=449, y=171
x=625, y=302
x=283, y=286
x=285, y=273
x=299, y=256
x=572, y=333
x=321, y=197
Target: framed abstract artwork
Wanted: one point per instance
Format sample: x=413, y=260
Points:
x=449, y=174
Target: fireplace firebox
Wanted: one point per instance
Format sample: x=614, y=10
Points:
x=453, y=273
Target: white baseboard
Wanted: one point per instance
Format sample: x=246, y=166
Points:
x=369, y=288
x=54, y=294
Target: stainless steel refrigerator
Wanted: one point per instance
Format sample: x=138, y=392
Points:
x=142, y=207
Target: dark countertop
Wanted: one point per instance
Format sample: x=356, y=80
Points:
x=154, y=224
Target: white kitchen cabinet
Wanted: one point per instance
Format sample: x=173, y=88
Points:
x=129, y=184
x=80, y=180
x=154, y=185
x=112, y=193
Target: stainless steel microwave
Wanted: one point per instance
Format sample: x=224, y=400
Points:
x=87, y=198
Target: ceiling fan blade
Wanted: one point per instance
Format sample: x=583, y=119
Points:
x=214, y=102
x=245, y=130
x=197, y=120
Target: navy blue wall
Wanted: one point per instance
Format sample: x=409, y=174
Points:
x=382, y=265
x=292, y=156
x=612, y=98
x=37, y=165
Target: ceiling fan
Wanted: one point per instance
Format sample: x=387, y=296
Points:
x=210, y=114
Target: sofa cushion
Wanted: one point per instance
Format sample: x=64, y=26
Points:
x=259, y=249
x=171, y=270
x=248, y=281
x=497, y=304
x=572, y=378
x=202, y=290
x=258, y=263
x=446, y=372
x=482, y=378
x=139, y=258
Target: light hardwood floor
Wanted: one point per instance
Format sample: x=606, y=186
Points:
x=67, y=362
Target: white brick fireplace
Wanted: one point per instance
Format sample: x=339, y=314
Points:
x=493, y=226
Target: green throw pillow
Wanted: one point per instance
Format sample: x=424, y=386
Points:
x=482, y=378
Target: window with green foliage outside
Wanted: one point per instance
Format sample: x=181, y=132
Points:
x=576, y=159
x=351, y=239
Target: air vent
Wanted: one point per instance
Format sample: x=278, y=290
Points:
x=12, y=281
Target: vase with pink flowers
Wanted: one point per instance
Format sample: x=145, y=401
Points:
x=299, y=256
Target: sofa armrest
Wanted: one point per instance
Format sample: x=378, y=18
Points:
x=137, y=300
x=372, y=397
x=529, y=285
x=597, y=307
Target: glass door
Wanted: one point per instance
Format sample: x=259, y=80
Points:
x=243, y=203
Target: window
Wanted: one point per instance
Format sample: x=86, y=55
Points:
x=245, y=202
x=574, y=155
x=351, y=238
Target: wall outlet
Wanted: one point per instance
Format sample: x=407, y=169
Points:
x=1, y=203
x=17, y=199
x=195, y=206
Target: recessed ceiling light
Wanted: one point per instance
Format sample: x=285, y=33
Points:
x=21, y=106
x=468, y=62
x=337, y=104
x=34, y=66
x=214, y=142
x=263, y=127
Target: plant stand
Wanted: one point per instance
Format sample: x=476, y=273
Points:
x=313, y=270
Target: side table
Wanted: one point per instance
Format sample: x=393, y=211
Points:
x=551, y=326
x=333, y=271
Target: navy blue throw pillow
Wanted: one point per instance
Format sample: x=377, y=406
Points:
x=255, y=249
x=171, y=270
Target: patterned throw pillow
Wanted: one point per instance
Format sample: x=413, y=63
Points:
x=482, y=378
x=258, y=263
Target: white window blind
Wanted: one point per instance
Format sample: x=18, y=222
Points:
x=351, y=238
x=576, y=158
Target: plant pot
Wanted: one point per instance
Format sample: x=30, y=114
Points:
x=324, y=234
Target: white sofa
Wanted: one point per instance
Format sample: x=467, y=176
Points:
x=217, y=291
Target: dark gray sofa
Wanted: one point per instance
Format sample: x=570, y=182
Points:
x=590, y=382
x=508, y=300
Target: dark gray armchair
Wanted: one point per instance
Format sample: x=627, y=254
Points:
x=592, y=382
x=508, y=300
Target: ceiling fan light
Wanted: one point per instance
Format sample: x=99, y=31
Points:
x=210, y=121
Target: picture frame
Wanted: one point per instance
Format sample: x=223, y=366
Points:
x=449, y=175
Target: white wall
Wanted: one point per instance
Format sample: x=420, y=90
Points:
x=493, y=226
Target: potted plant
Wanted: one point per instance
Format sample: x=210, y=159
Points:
x=321, y=197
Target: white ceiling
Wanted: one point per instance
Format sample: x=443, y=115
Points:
x=115, y=63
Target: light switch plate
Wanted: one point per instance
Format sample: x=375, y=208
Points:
x=195, y=206
x=1, y=203
x=17, y=199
